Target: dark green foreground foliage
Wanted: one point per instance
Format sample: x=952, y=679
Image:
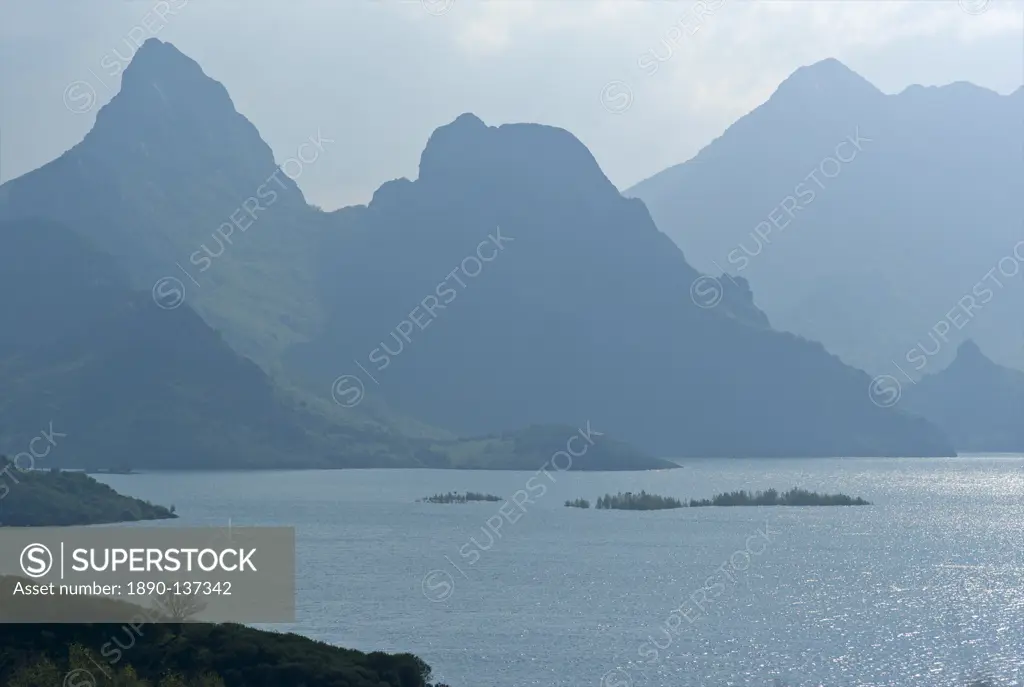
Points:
x=80, y=669
x=771, y=497
x=641, y=501
x=54, y=498
x=455, y=497
x=200, y=655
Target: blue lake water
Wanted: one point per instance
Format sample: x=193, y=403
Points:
x=925, y=587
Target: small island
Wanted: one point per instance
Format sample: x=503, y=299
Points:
x=56, y=498
x=772, y=497
x=641, y=501
x=455, y=497
x=769, y=497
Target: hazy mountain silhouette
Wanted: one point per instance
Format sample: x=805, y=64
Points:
x=168, y=162
x=582, y=310
x=868, y=256
x=979, y=404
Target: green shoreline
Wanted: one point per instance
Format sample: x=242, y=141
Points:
x=60, y=498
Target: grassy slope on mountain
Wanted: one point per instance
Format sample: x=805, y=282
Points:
x=135, y=385
x=533, y=447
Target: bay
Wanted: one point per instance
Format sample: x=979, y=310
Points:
x=924, y=587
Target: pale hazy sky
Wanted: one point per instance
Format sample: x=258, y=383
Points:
x=379, y=75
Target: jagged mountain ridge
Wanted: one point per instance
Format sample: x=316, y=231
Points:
x=585, y=312
x=923, y=211
x=595, y=321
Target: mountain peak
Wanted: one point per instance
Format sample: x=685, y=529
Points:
x=169, y=110
x=826, y=77
x=971, y=361
x=154, y=48
x=465, y=149
x=468, y=119
x=171, y=133
x=157, y=62
x=462, y=140
x=969, y=351
x=163, y=80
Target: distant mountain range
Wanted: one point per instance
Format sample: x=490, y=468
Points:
x=509, y=285
x=979, y=404
x=887, y=227
x=582, y=310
